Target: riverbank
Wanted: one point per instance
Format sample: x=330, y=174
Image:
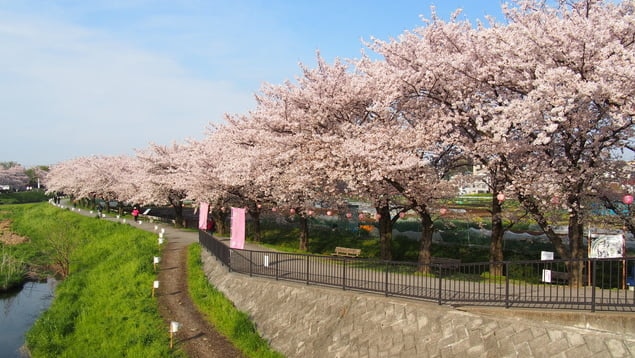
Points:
x=104, y=305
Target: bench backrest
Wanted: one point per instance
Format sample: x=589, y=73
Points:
x=347, y=250
x=445, y=261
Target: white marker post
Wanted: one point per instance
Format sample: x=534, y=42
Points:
x=154, y=287
x=174, y=327
x=156, y=261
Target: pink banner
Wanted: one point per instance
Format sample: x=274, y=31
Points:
x=203, y=208
x=237, y=240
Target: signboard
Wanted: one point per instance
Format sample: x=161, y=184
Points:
x=546, y=276
x=237, y=239
x=607, y=246
x=546, y=255
x=202, y=216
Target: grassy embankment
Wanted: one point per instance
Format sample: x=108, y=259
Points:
x=220, y=311
x=104, y=307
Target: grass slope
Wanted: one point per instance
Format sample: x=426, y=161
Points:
x=104, y=308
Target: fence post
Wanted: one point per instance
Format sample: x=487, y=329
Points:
x=386, y=279
x=440, y=298
x=308, y=280
x=251, y=262
x=593, y=282
x=344, y=275
x=277, y=268
x=507, y=284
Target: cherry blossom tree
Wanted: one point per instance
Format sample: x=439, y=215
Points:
x=575, y=72
x=533, y=100
x=434, y=72
x=291, y=173
x=160, y=178
x=68, y=177
x=224, y=170
x=14, y=175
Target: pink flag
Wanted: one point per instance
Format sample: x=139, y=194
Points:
x=237, y=240
x=203, y=208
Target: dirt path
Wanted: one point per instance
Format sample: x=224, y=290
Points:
x=196, y=336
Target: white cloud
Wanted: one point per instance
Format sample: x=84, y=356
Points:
x=71, y=86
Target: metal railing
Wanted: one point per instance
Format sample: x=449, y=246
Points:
x=522, y=285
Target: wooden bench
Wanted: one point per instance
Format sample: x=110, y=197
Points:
x=446, y=262
x=444, y=266
x=347, y=252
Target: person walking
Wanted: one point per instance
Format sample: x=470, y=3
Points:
x=135, y=213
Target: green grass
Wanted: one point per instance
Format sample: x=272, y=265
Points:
x=104, y=308
x=221, y=312
x=12, y=271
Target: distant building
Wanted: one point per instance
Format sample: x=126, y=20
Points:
x=477, y=183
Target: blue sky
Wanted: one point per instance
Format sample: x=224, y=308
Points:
x=105, y=77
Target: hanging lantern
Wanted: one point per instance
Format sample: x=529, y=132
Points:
x=377, y=216
x=555, y=200
x=500, y=197
x=292, y=211
x=349, y=215
x=329, y=212
x=443, y=211
x=402, y=214
x=360, y=216
x=627, y=199
x=274, y=209
x=310, y=212
x=259, y=206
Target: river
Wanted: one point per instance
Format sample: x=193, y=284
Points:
x=18, y=311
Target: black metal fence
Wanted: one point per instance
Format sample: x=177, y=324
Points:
x=527, y=284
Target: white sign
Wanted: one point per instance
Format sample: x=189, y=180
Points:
x=156, y=284
x=546, y=276
x=546, y=255
x=607, y=246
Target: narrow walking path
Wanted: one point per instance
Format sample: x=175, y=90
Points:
x=196, y=336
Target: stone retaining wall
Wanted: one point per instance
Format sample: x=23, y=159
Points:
x=312, y=321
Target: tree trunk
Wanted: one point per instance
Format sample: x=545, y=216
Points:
x=577, y=251
x=385, y=232
x=255, y=216
x=178, y=214
x=304, y=233
x=220, y=218
x=496, y=244
x=427, y=231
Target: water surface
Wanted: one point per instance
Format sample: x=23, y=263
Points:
x=18, y=311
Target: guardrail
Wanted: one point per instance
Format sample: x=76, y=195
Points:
x=522, y=286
